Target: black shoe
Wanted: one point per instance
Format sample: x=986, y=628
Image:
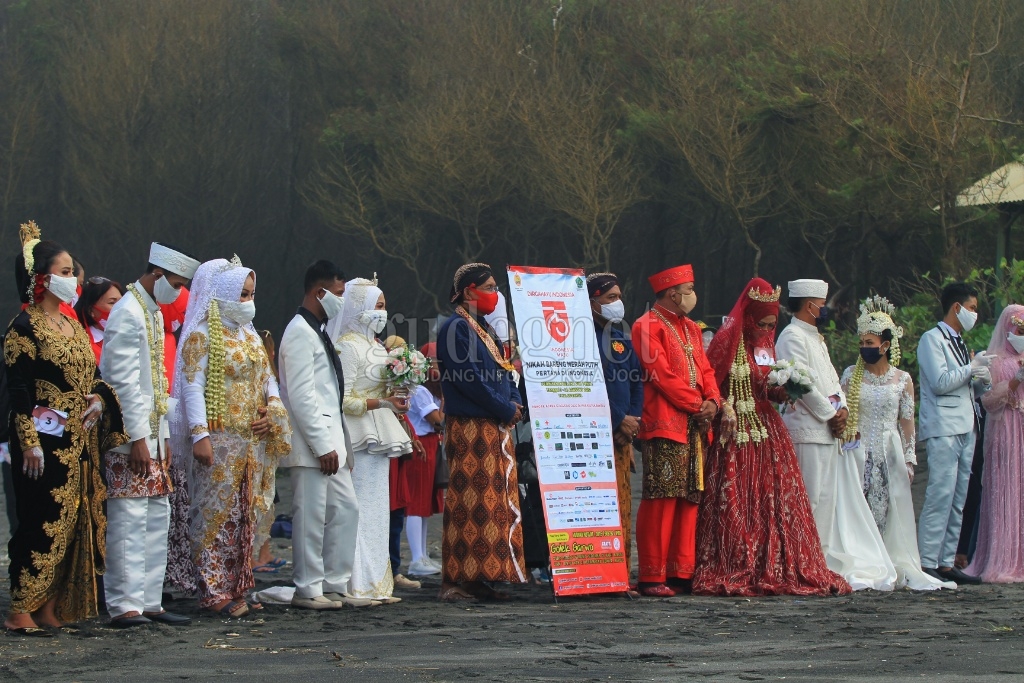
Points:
x=170, y=618
x=959, y=577
x=128, y=622
x=934, y=573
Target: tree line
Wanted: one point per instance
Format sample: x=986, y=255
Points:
x=811, y=138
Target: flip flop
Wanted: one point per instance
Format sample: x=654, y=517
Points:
x=29, y=632
x=277, y=562
x=235, y=609
x=267, y=568
x=455, y=594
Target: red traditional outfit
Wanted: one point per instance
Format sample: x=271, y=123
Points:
x=756, y=534
x=678, y=379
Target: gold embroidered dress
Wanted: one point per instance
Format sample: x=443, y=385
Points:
x=58, y=548
x=227, y=497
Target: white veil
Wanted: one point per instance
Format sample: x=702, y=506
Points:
x=360, y=295
x=216, y=279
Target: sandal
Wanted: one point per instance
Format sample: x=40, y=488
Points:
x=267, y=568
x=234, y=609
x=254, y=605
x=455, y=594
x=484, y=592
x=29, y=631
x=277, y=562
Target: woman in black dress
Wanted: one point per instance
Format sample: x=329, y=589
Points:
x=62, y=418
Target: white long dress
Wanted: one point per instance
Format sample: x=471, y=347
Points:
x=377, y=436
x=887, y=443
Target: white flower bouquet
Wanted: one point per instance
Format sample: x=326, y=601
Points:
x=406, y=367
x=795, y=377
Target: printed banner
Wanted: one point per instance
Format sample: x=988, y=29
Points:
x=572, y=430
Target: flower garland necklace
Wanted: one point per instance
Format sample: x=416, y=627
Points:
x=216, y=401
x=156, y=365
x=741, y=397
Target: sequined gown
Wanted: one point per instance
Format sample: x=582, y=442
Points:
x=756, y=534
x=887, y=443
x=227, y=498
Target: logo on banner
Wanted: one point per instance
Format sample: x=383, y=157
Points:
x=557, y=319
x=518, y=280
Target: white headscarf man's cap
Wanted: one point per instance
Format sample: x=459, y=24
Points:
x=174, y=261
x=808, y=289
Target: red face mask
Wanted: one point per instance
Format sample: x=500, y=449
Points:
x=486, y=302
x=100, y=317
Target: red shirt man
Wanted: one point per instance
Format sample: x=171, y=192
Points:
x=680, y=398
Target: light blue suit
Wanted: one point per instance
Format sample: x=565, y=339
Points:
x=948, y=427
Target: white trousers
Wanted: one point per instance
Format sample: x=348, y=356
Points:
x=136, y=554
x=819, y=465
x=325, y=520
x=949, y=472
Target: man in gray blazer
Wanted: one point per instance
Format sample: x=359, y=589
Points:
x=325, y=514
x=950, y=378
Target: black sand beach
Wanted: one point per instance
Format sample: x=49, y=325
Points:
x=972, y=634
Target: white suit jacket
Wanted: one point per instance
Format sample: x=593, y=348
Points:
x=807, y=421
x=125, y=365
x=310, y=392
x=947, y=393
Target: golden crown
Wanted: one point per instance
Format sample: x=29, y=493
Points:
x=758, y=295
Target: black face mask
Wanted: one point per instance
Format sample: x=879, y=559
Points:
x=871, y=354
x=824, y=316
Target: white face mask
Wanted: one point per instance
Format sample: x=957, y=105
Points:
x=332, y=304
x=1016, y=341
x=966, y=318
x=64, y=288
x=164, y=292
x=613, y=312
x=238, y=312
x=375, y=320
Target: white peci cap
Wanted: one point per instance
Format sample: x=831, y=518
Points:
x=808, y=289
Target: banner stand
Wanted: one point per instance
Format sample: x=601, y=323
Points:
x=570, y=421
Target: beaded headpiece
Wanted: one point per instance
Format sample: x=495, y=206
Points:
x=875, y=318
x=30, y=237
x=763, y=297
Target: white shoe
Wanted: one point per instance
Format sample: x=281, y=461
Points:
x=403, y=582
x=423, y=568
x=320, y=602
x=348, y=600
x=434, y=563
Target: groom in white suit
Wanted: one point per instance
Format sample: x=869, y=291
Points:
x=325, y=514
x=948, y=425
x=138, y=514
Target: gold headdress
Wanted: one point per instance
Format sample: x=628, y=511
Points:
x=760, y=296
x=875, y=318
x=30, y=237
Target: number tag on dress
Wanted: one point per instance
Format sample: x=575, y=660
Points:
x=763, y=357
x=49, y=420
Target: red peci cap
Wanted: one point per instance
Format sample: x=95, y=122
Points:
x=671, y=277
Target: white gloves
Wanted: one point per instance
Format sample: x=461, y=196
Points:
x=1020, y=376
x=983, y=375
x=33, y=464
x=92, y=414
x=980, y=367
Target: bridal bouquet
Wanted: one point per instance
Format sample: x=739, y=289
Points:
x=405, y=367
x=795, y=377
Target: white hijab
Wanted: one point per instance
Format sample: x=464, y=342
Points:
x=217, y=279
x=361, y=295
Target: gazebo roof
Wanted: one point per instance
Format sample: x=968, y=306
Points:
x=1002, y=186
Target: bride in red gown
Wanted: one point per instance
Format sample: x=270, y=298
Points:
x=755, y=531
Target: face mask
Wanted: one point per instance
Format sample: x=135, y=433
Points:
x=966, y=318
x=375, y=320
x=823, y=317
x=77, y=296
x=1016, y=341
x=63, y=288
x=100, y=317
x=238, y=312
x=688, y=302
x=613, y=312
x=332, y=304
x=164, y=292
x=871, y=354
x=486, y=302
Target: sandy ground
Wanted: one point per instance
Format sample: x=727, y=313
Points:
x=948, y=636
